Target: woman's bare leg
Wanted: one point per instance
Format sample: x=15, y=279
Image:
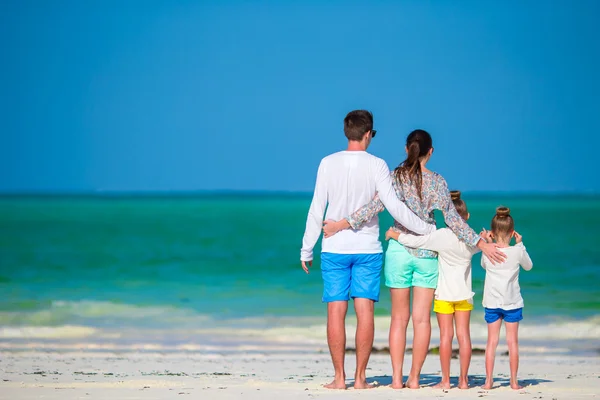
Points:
x=463, y=333
x=490, y=352
x=421, y=316
x=446, y=324
x=398, y=325
x=512, y=339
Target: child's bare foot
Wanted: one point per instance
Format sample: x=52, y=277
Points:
x=412, y=383
x=515, y=385
x=442, y=385
x=463, y=384
x=489, y=383
x=336, y=384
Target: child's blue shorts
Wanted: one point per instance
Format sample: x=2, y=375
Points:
x=351, y=275
x=494, y=314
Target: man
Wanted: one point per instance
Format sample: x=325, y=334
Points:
x=351, y=261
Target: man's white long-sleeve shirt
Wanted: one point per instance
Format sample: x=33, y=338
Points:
x=346, y=181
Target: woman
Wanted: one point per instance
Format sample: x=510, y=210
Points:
x=423, y=191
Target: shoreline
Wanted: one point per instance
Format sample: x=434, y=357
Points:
x=157, y=375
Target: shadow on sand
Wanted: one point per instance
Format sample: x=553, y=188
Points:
x=475, y=381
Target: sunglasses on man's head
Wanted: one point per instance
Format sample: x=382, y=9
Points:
x=373, y=133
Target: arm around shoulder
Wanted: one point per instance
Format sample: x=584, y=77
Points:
x=397, y=208
x=436, y=241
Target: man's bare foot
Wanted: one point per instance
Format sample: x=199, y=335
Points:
x=336, y=384
x=463, y=384
x=442, y=385
x=515, y=385
x=488, y=384
x=412, y=383
x=397, y=384
x=363, y=385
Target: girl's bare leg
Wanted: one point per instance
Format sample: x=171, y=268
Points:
x=421, y=316
x=463, y=332
x=446, y=324
x=490, y=352
x=399, y=323
x=512, y=339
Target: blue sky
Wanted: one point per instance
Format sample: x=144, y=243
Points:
x=148, y=96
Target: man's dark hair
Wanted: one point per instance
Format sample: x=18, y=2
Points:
x=357, y=123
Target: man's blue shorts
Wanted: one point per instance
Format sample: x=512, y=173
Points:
x=494, y=314
x=351, y=275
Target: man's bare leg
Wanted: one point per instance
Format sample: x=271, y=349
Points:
x=336, y=339
x=400, y=318
x=421, y=316
x=365, y=330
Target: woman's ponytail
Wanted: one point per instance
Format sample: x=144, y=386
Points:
x=418, y=144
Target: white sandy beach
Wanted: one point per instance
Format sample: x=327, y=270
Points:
x=153, y=375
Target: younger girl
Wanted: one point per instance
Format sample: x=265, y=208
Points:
x=502, y=295
x=453, y=296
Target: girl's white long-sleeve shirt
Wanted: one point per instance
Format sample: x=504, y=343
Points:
x=454, y=260
x=501, y=288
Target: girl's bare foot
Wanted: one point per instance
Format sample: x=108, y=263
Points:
x=488, y=384
x=463, y=384
x=336, y=384
x=442, y=385
x=515, y=385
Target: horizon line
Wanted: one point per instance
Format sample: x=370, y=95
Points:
x=230, y=192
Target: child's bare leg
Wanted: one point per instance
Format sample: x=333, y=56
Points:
x=445, y=322
x=490, y=352
x=400, y=318
x=463, y=319
x=512, y=339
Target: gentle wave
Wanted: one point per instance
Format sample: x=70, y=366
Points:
x=102, y=313
x=46, y=332
x=116, y=321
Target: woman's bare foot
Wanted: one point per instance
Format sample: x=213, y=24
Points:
x=397, y=384
x=515, y=385
x=463, y=384
x=489, y=383
x=442, y=385
x=412, y=383
x=363, y=385
x=336, y=384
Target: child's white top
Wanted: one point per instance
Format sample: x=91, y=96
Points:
x=501, y=289
x=346, y=181
x=454, y=260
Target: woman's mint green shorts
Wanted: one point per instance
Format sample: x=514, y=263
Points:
x=403, y=270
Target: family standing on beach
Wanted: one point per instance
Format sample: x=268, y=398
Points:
x=354, y=186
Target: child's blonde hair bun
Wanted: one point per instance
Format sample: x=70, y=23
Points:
x=455, y=195
x=502, y=212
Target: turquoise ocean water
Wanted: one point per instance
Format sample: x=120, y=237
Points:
x=209, y=271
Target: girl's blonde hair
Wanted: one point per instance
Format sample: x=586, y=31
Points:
x=503, y=224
